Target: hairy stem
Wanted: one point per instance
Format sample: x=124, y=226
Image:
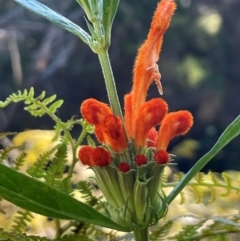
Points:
x=110, y=82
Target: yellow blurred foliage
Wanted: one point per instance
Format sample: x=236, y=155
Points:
x=34, y=143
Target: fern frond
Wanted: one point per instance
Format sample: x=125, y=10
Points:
x=86, y=189
x=183, y=198
x=206, y=185
x=211, y=228
x=197, y=193
x=96, y=231
x=19, y=161
x=11, y=236
x=228, y=181
x=66, y=185
x=35, y=105
x=199, y=177
x=76, y=238
x=162, y=232
x=38, y=170
x=21, y=221
x=4, y=153
x=54, y=173
x=214, y=178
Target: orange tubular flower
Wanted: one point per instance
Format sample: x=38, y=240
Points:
x=129, y=171
x=108, y=127
x=115, y=135
x=94, y=112
x=145, y=69
x=94, y=156
x=149, y=114
x=174, y=124
x=85, y=155
x=140, y=117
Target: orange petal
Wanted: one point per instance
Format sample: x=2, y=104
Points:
x=114, y=133
x=128, y=114
x=149, y=115
x=85, y=155
x=152, y=137
x=101, y=157
x=145, y=69
x=94, y=112
x=99, y=133
x=175, y=123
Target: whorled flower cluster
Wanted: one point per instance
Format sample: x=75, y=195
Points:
x=130, y=162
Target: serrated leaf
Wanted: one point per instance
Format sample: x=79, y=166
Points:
x=49, y=100
x=55, y=106
x=54, y=17
x=31, y=92
x=41, y=198
x=42, y=95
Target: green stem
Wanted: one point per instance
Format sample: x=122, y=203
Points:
x=74, y=150
x=110, y=82
x=58, y=228
x=141, y=235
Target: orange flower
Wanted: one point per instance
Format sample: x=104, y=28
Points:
x=149, y=115
x=129, y=170
x=145, y=69
x=174, y=124
x=94, y=156
x=141, y=117
x=108, y=127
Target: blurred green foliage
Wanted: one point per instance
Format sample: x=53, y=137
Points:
x=199, y=66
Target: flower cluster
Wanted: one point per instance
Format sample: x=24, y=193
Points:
x=130, y=162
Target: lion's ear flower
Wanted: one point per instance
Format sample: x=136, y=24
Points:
x=174, y=124
x=94, y=156
x=130, y=164
x=149, y=115
x=145, y=68
x=94, y=111
x=108, y=127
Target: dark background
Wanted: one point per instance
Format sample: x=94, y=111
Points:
x=199, y=63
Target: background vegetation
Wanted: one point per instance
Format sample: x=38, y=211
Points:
x=199, y=66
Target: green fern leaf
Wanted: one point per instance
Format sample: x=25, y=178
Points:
x=21, y=221
x=53, y=108
x=19, y=161
x=86, y=189
x=5, y=152
x=11, y=236
x=49, y=100
x=214, y=178
x=162, y=232
x=228, y=181
x=54, y=174
x=38, y=170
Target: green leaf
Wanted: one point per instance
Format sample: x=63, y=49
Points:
x=109, y=11
x=41, y=198
x=53, y=108
x=230, y=133
x=54, y=17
